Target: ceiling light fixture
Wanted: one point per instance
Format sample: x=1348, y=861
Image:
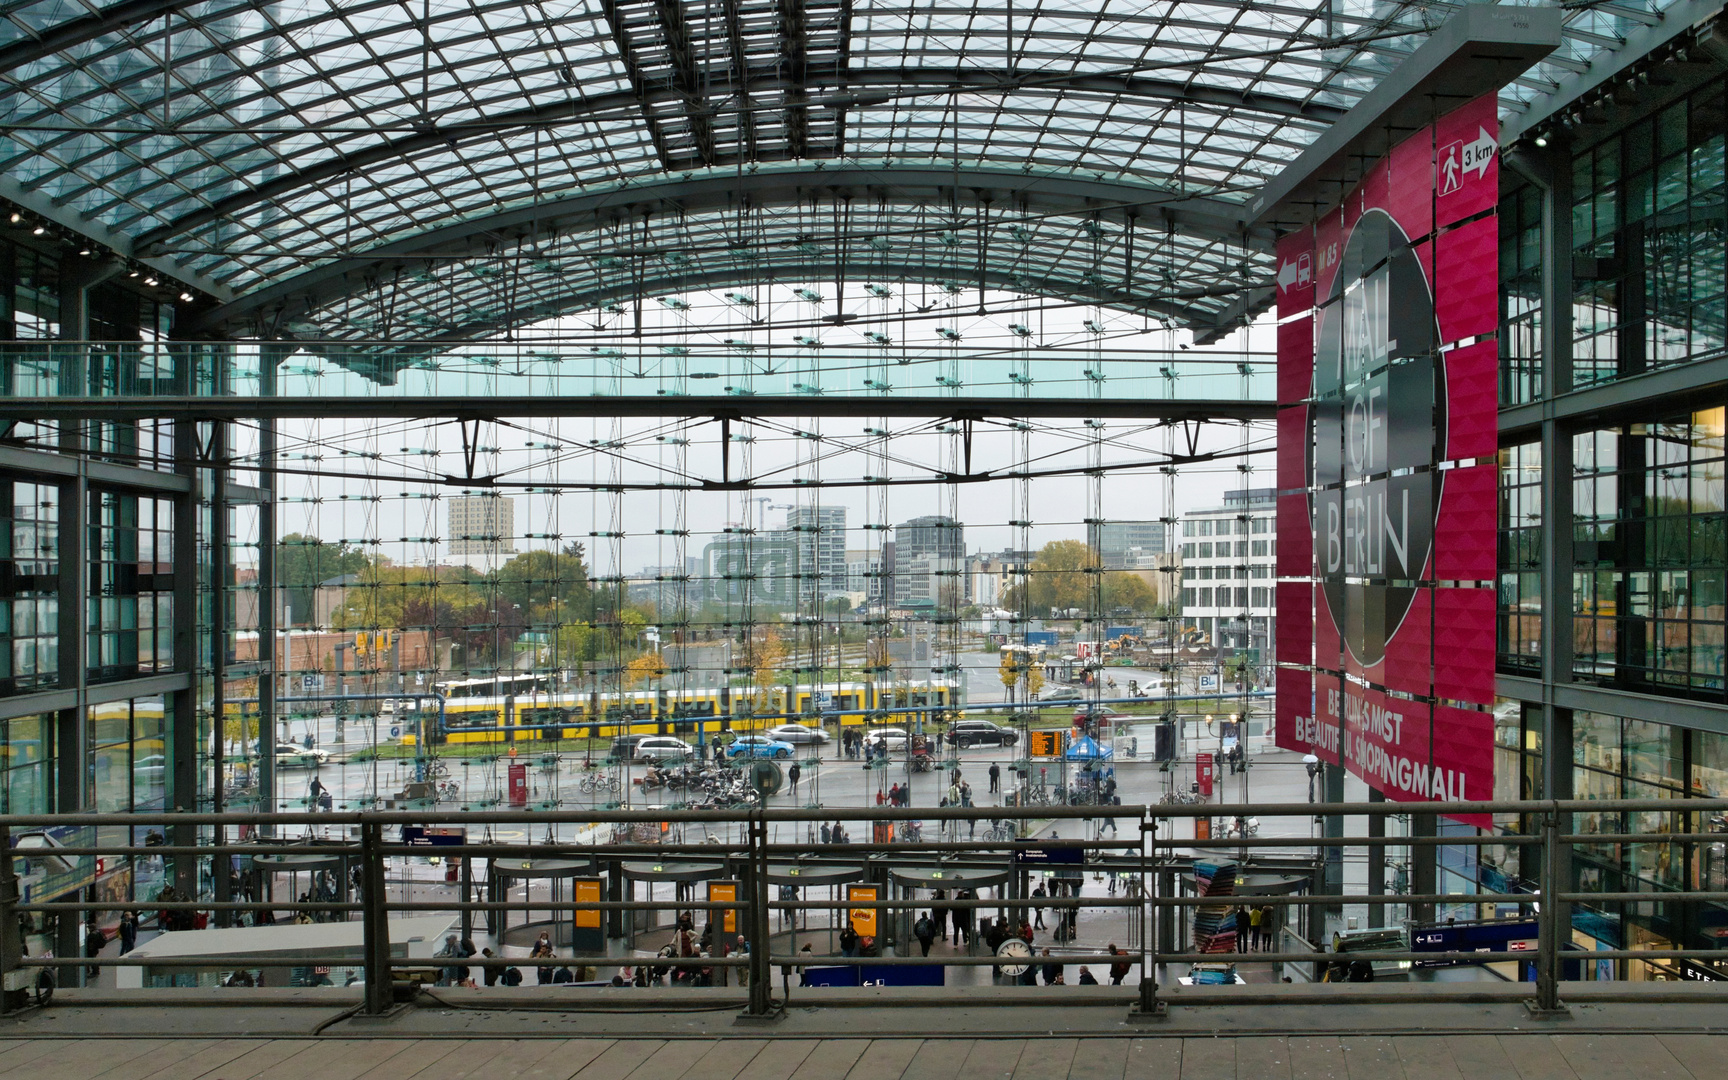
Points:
x=149, y=281
x=39, y=230
x=186, y=296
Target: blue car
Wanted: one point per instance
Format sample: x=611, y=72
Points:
x=758, y=746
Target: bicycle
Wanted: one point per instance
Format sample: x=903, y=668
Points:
x=599, y=783
x=1000, y=832
x=446, y=790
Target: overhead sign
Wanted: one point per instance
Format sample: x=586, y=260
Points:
x=1512, y=936
x=428, y=836
x=1031, y=853
x=1046, y=744
x=1387, y=425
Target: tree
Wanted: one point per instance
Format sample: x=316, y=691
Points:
x=553, y=583
x=1009, y=672
x=1124, y=591
x=647, y=668
x=302, y=562
x=1060, y=577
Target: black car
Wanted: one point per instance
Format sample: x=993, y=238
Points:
x=980, y=733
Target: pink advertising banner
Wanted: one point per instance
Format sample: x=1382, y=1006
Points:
x=1388, y=312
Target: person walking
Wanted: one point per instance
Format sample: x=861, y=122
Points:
x=995, y=778
x=128, y=931
x=925, y=932
x=1254, y=917
x=963, y=918
x=825, y=833
x=939, y=913
x=792, y=775
x=1038, y=909
x=1242, y=929
x=1119, y=969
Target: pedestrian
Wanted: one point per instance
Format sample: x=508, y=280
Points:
x=1086, y=977
x=512, y=976
x=1242, y=929
x=1052, y=970
x=825, y=833
x=94, y=942
x=1025, y=931
x=1254, y=917
x=995, y=778
x=1038, y=909
x=925, y=932
x=128, y=931
x=962, y=918
x=1118, y=968
x=490, y=974
x=792, y=775
x=849, y=940
x=1267, y=930
x=542, y=951
x=939, y=913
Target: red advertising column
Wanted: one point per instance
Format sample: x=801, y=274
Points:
x=518, y=784
x=1203, y=773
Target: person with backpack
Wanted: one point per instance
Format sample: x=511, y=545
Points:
x=925, y=931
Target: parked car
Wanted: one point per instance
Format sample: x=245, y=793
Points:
x=1096, y=719
x=893, y=738
x=758, y=746
x=1059, y=693
x=663, y=748
x=624, y=747
x=966, y=733
x=799, y=735
x=289, y=756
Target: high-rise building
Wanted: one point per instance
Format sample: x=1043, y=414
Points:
x=932, y=536
x=819, y=535
x=481, y=525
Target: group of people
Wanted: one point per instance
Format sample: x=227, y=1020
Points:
x=1254, y=928
x=898, y=795
x=834, y=834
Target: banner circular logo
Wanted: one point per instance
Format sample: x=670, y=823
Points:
x=1380, y=405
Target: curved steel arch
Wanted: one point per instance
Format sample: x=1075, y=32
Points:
x=1209, y=219
x=903, y=81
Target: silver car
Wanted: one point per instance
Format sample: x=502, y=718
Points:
x=663, y=748
x=799, y=735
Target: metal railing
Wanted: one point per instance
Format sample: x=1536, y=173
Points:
x=1156, y=849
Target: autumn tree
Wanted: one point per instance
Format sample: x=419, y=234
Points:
x=647, y=668
x=1060, y=577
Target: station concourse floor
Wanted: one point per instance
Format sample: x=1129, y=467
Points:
x=961, y=1037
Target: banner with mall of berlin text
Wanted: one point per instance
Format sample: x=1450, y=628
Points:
x=1388, y=311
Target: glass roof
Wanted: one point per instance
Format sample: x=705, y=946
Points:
x=462, y=166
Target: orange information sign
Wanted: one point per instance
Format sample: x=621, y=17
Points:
x=863, y=918
x=588, y=892
x=720, y=891
x=1046, y=744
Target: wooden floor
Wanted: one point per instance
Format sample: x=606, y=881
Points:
x=1393, y=1057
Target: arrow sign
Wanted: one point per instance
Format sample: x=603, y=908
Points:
x=1479, y=151
x=1287, y=275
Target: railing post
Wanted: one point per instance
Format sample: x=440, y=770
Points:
x=14, y=983
x=760, y=1006
x=374, y=928
x=1149, y=1007
x=1548, y=925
